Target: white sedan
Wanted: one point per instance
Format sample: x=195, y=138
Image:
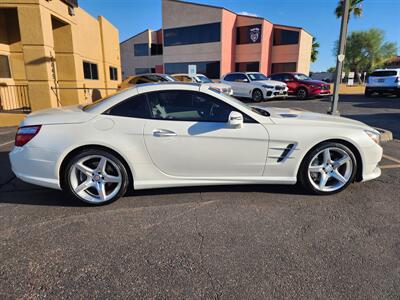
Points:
x=175, y=134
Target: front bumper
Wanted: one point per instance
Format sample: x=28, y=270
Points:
x=372, y=157
x=35, y=165
x=272, y=93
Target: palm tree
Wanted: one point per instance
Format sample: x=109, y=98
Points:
x=314, y=51
x=355, y=8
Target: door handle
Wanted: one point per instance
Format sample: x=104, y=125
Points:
x=163, y=133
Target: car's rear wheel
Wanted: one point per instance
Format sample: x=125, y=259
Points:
x=328, y=169
x=96, y=177
x=302, y=94
x=257, y=95
x=367, y=93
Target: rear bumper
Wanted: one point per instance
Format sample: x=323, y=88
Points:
x=383, y=89
x=35, y=165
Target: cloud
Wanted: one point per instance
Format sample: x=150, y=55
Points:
x=246, y=13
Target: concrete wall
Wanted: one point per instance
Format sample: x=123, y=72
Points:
x=305, y=49
x=52, y=48
x=130, y=62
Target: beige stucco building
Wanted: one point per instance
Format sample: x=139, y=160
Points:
x=53, y=53
x=218, y=41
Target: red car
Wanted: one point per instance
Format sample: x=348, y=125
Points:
x=302, y=86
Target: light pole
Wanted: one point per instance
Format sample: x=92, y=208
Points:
x=340, y=58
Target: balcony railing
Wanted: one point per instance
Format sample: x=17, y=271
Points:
x=14, y=98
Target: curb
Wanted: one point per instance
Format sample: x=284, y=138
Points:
x=386, y=135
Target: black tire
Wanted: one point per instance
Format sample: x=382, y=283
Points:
x=66, y=182
x=368, y=93
x=302, y=93
x=302, y=175
x=257, y=95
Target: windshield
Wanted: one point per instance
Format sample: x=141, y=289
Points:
x=257, y=76
x=241, y=104
x=203, y=79
x=301, y=77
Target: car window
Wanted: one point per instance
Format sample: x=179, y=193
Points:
x=134, y=107
x=188, y=106
x=230, y=77
x=203, y=79
x=301, y=77
x=383, y=73
x=257, y=76
x=241, y=77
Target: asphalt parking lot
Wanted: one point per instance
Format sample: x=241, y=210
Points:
x=232, y=242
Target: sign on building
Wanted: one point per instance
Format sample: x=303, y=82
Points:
x=192, y=70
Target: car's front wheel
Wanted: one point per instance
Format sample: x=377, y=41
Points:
x=257, y=95
x=302, y=94
x=328, y=169
x=96, y=177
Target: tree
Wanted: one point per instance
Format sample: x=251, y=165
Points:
x=331, y=69
x=355, y=8
x=314, y=51
x=366, y=50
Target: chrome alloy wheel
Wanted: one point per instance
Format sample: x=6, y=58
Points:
x=95, y=178
x=330, y=169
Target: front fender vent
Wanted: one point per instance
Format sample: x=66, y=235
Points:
x=286, y=152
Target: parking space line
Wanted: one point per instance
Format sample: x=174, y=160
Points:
x=6, y=132
x=6, y=143
x=390, y=167
x=391, y=158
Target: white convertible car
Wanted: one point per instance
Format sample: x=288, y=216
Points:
x=176, y=134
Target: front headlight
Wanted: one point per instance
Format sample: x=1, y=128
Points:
x=374, y=135
x=268, y=86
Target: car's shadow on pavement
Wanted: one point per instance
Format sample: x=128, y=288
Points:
x=14, y=191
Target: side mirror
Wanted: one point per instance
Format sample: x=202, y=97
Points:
x=235, y=119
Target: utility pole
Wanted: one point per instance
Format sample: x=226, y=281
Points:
x=340, y=58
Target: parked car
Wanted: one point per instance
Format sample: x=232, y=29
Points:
x=254, y=85
x=174, y=134
x=383, y=81
x=302, y=86
x=145, y=78
x=200, y=78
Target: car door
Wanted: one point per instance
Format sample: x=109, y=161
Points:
x=230, y=79
x=243, y=86
x=290, y=82
x=189, y=136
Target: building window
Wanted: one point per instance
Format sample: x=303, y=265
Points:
x=207, y=33
x=285, y=37
x=4, y=67
x=113, y=73
x=90, y=70
x=209, y=68
x=139, y=71
x=247, y=67
x=284, y=67
x=248, y=34
x=141, y=49
x=156, y=49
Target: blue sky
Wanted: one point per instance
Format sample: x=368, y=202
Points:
x=316, y=16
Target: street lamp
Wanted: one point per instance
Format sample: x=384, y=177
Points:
x=340, y=58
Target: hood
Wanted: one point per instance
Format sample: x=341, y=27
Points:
x=287, y=115
x=269, y=82
x=319, y=82
x=62, y=115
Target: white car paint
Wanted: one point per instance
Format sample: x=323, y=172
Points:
x=201, y=153
x=269, y=88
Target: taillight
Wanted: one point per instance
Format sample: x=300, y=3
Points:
x=25, y=134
